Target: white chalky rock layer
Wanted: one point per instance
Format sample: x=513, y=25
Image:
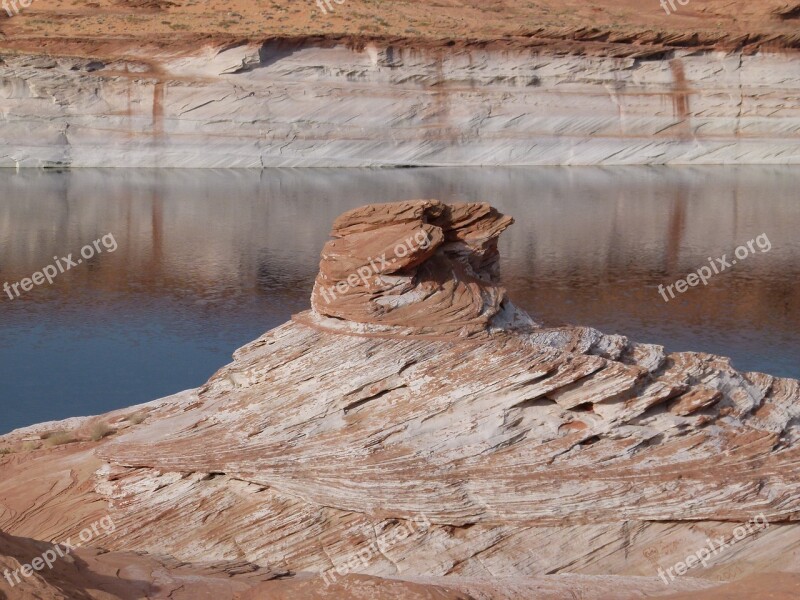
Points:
x=301, y=104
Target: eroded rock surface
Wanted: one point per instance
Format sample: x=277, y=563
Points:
x=337, y=103
x=92, y=574
x=419, y=400
x=423, y=266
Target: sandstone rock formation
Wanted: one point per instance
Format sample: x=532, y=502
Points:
x=420, y=428
x=423, y=266
x=465, y=82
x=332, y=104
x=92, y=574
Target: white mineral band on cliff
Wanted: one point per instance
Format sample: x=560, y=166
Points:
x=322, y=104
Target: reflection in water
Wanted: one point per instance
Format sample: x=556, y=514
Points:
x=208, y=260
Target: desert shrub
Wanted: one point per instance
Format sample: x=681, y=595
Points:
x=100, y=430
x=58, y=438
x=136, y=418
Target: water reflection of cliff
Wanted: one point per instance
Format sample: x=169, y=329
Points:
x=589, y=246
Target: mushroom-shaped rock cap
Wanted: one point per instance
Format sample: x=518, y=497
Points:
x=420, y=266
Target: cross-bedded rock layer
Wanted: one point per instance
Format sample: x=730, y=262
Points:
x=421, y=391
x=424, y=266
x=337, y=102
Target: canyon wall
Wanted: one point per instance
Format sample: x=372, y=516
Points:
x=329, y=104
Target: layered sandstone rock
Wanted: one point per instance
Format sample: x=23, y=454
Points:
x=420, y=266
x=162, y=83
x=333, y=103
x=92, y=574
x=419, y=427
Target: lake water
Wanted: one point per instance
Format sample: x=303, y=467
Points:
x=209, y=260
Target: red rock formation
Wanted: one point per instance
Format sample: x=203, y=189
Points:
x=420, y=400
x=91, y=574
x=421, y=265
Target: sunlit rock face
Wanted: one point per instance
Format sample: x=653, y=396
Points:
x=315, y=103
x=420, y=427
x=424, y=266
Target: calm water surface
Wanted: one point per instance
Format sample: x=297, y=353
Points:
x=208, y=260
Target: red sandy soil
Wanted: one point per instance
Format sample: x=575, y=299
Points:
x=621, y=26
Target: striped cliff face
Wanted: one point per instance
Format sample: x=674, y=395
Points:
x=327, y=103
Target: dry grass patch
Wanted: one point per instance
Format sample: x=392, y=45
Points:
x=100, y=430
x=136, y=418
x=58, y=438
